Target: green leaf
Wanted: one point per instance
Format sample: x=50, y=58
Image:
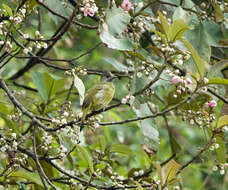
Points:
x=102, y=142
x=113, y=42
x=221, y=150
x=177, y=29
x=115, y=63
x=121, y=148
x=164, y=23
x=149, y=130
x=117, y=20
x=171, y=169
x=84, y=154
x=139, y=187
x=218, y=80
x=32, y=177
x=38, y=80
x=8, y=9
x=219, y=16
x=181, y=13
x=200, y=63
x=199, y=39
x=174, y=144
x=222, y=121
x=53, y=84
x=80, y=87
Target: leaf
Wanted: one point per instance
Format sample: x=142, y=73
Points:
x=159, y=170
x=112, y=42
x=8, y=9
x=121, y=148
x=139, y=187
x=38, y=80
x=177, y=29
x=174, y=144
x=115, y=63
x=222, y=121
x=219, y=16
x=117, y=20
x=218, y=80
x=53, y=84
x=164, y=23
x=80, y=87
x=221, y=150
x=200, y=64
x=84, y=154
x=30, y=176
x=149, y=130
x=181, y=13
x=102, y=142
x=171, y=169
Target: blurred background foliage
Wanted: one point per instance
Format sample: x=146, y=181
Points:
x=121, y=143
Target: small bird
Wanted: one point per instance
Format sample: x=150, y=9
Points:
x=99, y=96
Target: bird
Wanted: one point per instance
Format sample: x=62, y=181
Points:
x=98, y=96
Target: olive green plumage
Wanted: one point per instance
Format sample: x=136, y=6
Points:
x=98, y=97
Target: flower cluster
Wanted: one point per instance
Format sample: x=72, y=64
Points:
x=89, y=8
x=126, y=5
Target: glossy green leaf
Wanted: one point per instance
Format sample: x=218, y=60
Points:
x=200, y=63
x=218, y=80
x=180, y=13
x=85, y=155
x=38, y=80
x=80, y=87
x=121, y=148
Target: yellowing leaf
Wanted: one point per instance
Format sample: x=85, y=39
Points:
x=218, y=80
x=200, y=63
x=171, y=169
x=223, y=120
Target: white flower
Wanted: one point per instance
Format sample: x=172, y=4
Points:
x=124, y=101
x=37, y=33
x=216, y=146
x=205, y=80
x=139, y=74
x=222, y=172
x=215, y=168
x=14, y=135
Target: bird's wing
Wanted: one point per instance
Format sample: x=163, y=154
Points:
x=89, y=95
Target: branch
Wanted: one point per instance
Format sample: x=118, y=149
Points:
x=16, y=103
x=145, y=117
x=218, y=96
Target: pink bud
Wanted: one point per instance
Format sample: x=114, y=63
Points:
x=176, y=79
x=212, y=103
x=188, y=81
x=126, y=5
